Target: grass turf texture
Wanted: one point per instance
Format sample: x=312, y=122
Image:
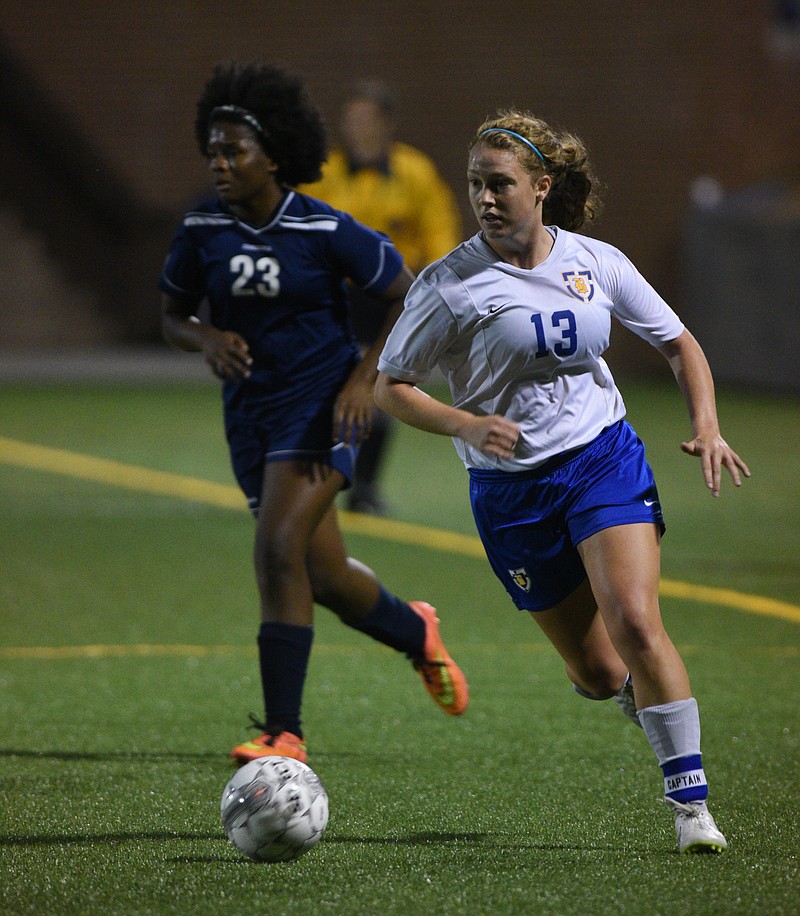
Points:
x=113, y=760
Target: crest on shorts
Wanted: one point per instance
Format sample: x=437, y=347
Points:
x=521, y=578
x=579, y=284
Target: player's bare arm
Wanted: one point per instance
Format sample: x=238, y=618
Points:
x=691, y=370
x=494, y=435
x=225, y=352
x=352, y=415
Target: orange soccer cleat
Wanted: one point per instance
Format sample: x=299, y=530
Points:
x=443, y=678
x=283, y=745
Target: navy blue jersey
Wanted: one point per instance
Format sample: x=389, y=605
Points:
x=281, y=287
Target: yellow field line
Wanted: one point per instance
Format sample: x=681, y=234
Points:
x=119, y=651
x=182, y=650
x=163, y=483
x=115, y=473
x=753, y=604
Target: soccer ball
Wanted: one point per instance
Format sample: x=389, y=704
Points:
x=274, y=809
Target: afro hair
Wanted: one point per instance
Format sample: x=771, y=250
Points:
x=294, y=132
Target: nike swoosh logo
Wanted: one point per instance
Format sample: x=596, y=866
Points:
x=494, y=308
x=649, y=502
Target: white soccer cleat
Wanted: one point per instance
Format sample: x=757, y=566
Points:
x=627, y=703
x=695, y=827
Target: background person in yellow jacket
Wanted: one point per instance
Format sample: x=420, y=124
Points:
x=394, y=188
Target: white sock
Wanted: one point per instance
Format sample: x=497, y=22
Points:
x=673, y=731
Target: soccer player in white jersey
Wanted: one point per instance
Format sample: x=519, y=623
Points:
x=517, y=319
x=298, y=397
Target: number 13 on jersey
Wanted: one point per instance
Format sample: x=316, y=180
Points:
x=563, y=321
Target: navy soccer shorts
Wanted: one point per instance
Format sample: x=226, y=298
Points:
x=531, y=521
x=300, y=432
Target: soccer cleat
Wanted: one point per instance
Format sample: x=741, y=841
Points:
x=695, y=827
x=627, y=703
x=442, y=676
x=283, y=745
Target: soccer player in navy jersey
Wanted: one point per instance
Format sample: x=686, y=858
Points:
x=517, y=319
x=298, y=398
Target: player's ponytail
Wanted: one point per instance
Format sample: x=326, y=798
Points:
x=573, y=198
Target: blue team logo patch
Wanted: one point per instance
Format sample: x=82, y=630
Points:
x=521, y=578
x=579, y=284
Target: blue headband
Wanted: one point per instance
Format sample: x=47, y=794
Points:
x=237, y=113
x=525, y=140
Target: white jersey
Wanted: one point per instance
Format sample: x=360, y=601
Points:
x=527, y=344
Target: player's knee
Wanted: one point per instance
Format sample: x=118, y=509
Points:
x=329, y=585
x=597, y=682
x=641, y=636
x=276, y=563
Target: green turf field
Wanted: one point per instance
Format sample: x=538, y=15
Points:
x=128, y=667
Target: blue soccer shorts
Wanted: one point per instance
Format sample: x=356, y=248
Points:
x=299, y=432
x=531, y=521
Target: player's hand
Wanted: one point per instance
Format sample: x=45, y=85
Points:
x=352, y=412
x=714, y=454
x=227, y=354
x=493, y=435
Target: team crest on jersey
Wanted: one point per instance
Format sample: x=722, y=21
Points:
x=521, y=578
x=579, y=283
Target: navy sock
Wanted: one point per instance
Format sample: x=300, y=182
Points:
x=283, y=652
x=393, y=623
